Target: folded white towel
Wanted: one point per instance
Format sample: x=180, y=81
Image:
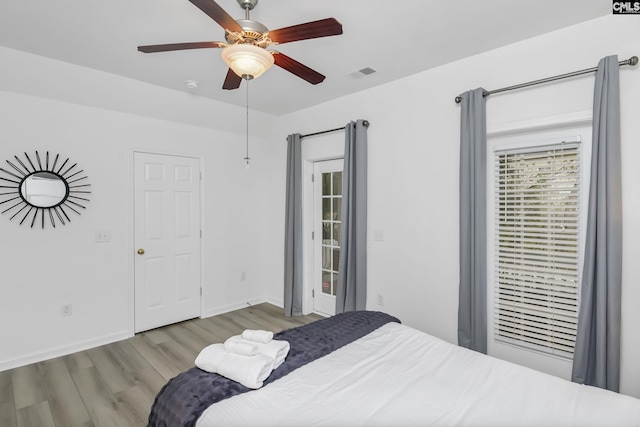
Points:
x=275, y=349
x=250, y=371
x=245, y=348
x=257, y=335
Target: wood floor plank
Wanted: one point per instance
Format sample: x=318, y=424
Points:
x=181, y=356
x=7, y=405
x=241, y=323
x=136, y=404
x=101, y=404
x=156, y=356
x=77, y=361
x=182, y=335
x=200, y=330
x=156, y=336
x=64, y=400
x=115, y=375
x=149, y=380
x=35, y=415
x=28, y=386
x=219, y=329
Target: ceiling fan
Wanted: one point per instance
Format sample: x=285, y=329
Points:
x=245, y=50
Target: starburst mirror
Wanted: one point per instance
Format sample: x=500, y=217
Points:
x=41, y=191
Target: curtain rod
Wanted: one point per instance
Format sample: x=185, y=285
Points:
x=365, y=123
x=631, y=61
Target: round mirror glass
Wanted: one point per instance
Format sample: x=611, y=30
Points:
x=43, y=189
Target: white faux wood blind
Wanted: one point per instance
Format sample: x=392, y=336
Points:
x=537, y=247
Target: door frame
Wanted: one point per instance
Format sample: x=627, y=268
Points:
x=131, y=226
x=316, y=149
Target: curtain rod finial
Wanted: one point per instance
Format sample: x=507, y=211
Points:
x=633, y=61
x=458, y=99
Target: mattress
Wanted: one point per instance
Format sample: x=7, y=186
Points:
x=399, y=376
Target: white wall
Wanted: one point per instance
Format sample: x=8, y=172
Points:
x=414, y=161
x=43, y=269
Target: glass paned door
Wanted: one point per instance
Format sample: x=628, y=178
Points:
x=328, y=210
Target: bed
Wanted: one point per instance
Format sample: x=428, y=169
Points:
x=365, y=368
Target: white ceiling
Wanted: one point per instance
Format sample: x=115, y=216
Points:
x=395, y=38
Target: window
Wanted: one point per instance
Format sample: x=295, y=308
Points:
x=537, y=238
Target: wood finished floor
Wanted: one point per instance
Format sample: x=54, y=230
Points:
x=115, y=384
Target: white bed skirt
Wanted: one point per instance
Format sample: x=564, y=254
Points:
x=398, y=376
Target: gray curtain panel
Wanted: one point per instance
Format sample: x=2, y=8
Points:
x=293, y=229
x=472, y=304
x=596, y=359
x=351, y=292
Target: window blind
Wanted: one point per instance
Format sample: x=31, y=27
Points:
x=537, y=216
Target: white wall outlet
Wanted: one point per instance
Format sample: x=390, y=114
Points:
x=378, y=235
x=66, y=310
x=380, y=299
x=102, y=236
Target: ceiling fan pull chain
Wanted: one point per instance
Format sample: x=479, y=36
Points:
x=247, y=104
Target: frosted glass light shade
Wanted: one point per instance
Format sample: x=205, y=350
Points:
x=246, y=59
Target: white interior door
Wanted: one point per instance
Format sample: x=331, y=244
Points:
x=167, y=239
x=327, y=180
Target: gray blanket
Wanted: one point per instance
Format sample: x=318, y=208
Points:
x=184, y=398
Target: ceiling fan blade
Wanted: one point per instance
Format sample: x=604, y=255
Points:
x=179, y=46
x=300, y=70
x=310, y=30
x=218, y=14
x=232, y=81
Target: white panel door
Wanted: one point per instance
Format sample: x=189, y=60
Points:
x=167, y=239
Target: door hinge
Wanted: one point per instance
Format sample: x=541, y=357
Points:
x=201, y=234
x=200, y=176
x=313, y=235
x=313, y=177
x=313, y=293
x=200, y=291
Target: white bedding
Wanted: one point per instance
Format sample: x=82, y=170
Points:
x=398, y=376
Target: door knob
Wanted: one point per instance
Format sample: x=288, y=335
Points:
x=140, y=251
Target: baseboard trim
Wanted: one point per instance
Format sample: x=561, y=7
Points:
x=63, y=350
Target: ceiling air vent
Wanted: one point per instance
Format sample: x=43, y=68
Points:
x=363, y=72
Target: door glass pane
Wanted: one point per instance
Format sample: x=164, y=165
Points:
x=326, y=282
x=337, y=183
x=326, y=184
x=326, y=208
x=336, y=259
x=337, y=208
x=326, y=257
x=326, y=231
x=336, y=234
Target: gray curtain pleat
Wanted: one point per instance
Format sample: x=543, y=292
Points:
x=351, y=292
x=472, y=304
x=293, y=229
x=596, y=359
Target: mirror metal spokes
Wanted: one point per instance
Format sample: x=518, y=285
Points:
x=41, y=191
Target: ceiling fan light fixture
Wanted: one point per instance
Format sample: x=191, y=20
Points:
x=247, y=60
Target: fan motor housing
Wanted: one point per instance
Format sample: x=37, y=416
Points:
x=253, y=32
